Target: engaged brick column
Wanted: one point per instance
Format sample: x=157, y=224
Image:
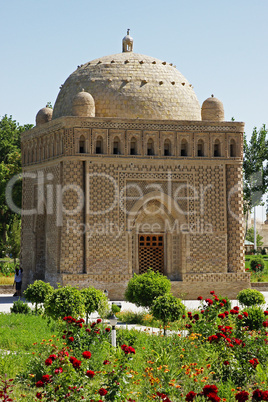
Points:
x=235, y=230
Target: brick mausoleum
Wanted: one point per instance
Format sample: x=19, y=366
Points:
x=127, y=172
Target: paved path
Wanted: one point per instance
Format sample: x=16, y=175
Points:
x=6, y=301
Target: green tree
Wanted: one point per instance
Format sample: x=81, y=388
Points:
x=167, y=308
x=255, y=169
x=250, y=237
x=10, y=165
x=94, y=300
x=13, y=237
x=37, y=293
x=143, y=289
x=64, y=301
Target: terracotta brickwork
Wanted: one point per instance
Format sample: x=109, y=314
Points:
x=127, y=171
x=98, y=245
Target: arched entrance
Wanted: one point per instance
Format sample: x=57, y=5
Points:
x=156, y=240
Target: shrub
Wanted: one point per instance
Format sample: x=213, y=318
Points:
x=19, y=307
x=64, y=301
x=263, y=251
x=250, y=297
x=37, y=292
x=94, y=300
x=115, y=308
x=257, y=264
x=167, y=308
x=255, y=318
x=143, y=289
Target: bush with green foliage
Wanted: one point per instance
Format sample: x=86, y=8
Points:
x=250, y=297
x=255, y=318
x=167, y=308
x=37, y=292
x=143, y=289
x=64, y=301
x=94, y=300
x=257, y=264
x=19, y=307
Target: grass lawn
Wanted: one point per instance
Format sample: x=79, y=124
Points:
x=71, y=361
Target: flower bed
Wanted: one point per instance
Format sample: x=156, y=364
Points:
x=220, y=359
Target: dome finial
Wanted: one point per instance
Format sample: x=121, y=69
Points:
x=127, y=43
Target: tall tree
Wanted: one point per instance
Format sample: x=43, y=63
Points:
x=10, y=164
x=255, y=169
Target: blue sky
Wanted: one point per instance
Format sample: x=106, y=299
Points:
x=220, y=47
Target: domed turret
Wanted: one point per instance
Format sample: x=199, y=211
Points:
x=127, y=43
x=83, y=105
x=44, y=115
x=212, y=109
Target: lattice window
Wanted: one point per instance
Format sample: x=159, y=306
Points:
x=151, y=253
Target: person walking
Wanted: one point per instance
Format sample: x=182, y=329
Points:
x=18, y=281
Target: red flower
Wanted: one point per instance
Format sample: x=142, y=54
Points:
x=63, y=336
x=128, y=349
x=88, y=330
x=226, y=313
x=102, y=391
x=106, y=362
x=46, y=378
x=48, y=362
x=257, y=395
x=71, y=338
x=196, y=317
x=86, y=355
x=224, y=301
x=265, y=324
x=190, y=396
x=222, y=315
x=213, y=397
x=266, y=312
x=254, y=362
x=90, y=373
x=38, y=395
x=93, y=324
x=58, y=370
x=98, y=320
x=53, y=357
x=226, y=363
x=242, y=396
x=75, y=362
x=240, y=317
x=236, y=308
x=39, y=384
x=209, y=301
x=245, y=313
x=221, y=304
x=199, y=298
x=107, y=329
x=212, y=292
x=210, y=389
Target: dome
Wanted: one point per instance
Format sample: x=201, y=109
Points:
x=44, y=115
x=131, y=85
x=212, y=109
x=83, y=105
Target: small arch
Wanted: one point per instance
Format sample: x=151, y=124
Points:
x=217, y=148
x=116, y=146
x=99, y=145
x=150, y=147
x=200, y=148
x=232, y=148
x=82, y=145
x=167, y=147
x=184, y=147
x=133, y=146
